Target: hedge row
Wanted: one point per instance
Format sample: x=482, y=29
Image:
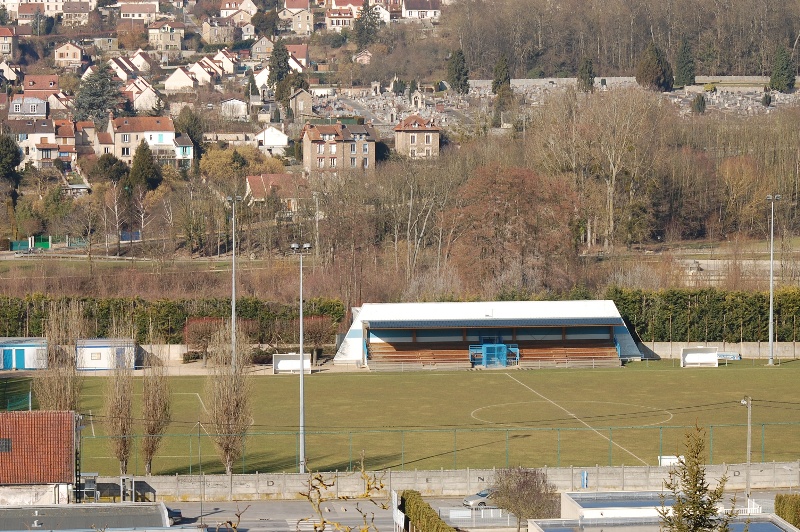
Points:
x=166, y=318
x=420, y=514
x=787, y=507
x=708, y=315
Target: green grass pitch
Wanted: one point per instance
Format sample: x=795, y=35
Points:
x=482, y=419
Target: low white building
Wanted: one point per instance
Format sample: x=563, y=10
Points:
x=180, y=81
x=23, y=353
x=272, y=141
x=105, y=353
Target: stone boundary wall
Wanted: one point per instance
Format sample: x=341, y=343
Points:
x=754, y=350
x=440, y=483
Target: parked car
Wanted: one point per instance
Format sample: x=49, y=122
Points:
x=175, y=516
x=482, y=499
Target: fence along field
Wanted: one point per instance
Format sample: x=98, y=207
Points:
x=624, y=416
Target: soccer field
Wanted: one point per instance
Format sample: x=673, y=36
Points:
x=479, y=419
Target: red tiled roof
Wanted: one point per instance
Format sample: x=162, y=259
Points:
x=137, y=8
x=46, y=146
x=42, y=447
x=80, y=126
x=416, y=123
x=105, y=138
x=6, y=32
x=296, y=4
x=261, y=186
x=143, y=123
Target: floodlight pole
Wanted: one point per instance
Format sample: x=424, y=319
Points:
x=748, y=402
x=301, y=249
x=233, y=290
x=772, y=199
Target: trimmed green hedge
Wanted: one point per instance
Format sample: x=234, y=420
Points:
x=26, y=316
x=712, y=315
x=787, y=507
x=420, y=514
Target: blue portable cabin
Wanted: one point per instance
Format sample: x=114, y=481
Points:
x=23, y=353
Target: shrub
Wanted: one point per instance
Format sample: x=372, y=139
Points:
x=699, y=104
x=261, y=357
x=191, y=356
x=710, y=87
x=766, y=100
x=787, y=507
x=421, y=515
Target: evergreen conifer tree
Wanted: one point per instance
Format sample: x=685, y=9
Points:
x=365, y=27
x=502, y=75
x=654, y=71
x=586, y=75
x=278, y=63
x=98, y=96
x=458, y=73
x=783, y=72
x=684, y=66
x=143, y=170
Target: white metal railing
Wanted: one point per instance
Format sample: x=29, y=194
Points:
x=752, y=508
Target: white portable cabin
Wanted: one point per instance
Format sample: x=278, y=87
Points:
x=105, y=353
x=699, y=357
x=23, y=353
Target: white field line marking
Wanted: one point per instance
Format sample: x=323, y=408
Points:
x=579, y=420
x=91, y=422
x=474, y=413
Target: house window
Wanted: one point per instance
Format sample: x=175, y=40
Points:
x=320, y=148
x=333, y=162
x=126, y=137
x=126, y=152
x=106, y=150
x=95, y=356
x=33, y=108
x=5, y=445
x=352, y=162
x=321, y=162
x=427, y=138
x=352, y=148
x=17, y=108
x=427, y=152
x=413, y=141
x=366, y=149
x=413, y=154
x=333, y=148
x=365, y=163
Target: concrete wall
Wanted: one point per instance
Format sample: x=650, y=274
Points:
x=30, y=495
x=754, y=350
x=454, y=483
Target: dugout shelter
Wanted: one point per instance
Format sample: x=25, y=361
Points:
x=488, y=333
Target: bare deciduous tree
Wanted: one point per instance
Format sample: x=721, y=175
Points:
x=526, y=493
x=119, y=397
x=119, y=421
x=58, y=386
x=156, y=411
x=228, y=396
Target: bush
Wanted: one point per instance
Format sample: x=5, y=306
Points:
x=420, y=513
x=787, y=507
x=766, y=100
x=710, y=87
x=192, y=356
x=699, y=104
x=261, y=357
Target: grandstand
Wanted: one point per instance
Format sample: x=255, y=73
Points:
x=487, y=334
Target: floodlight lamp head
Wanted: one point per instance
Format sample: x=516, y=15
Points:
x=295, y=247
x=744, y=401
x=777, y=197
x=306, y=246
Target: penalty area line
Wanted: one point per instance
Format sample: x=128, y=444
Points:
x=576, y=418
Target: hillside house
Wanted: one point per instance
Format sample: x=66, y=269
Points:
x=68, y=55
x=8, y=42
x=417, y=138
x=76, y=14
x=297, y=16
x=330, y=148
x=166, y=36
